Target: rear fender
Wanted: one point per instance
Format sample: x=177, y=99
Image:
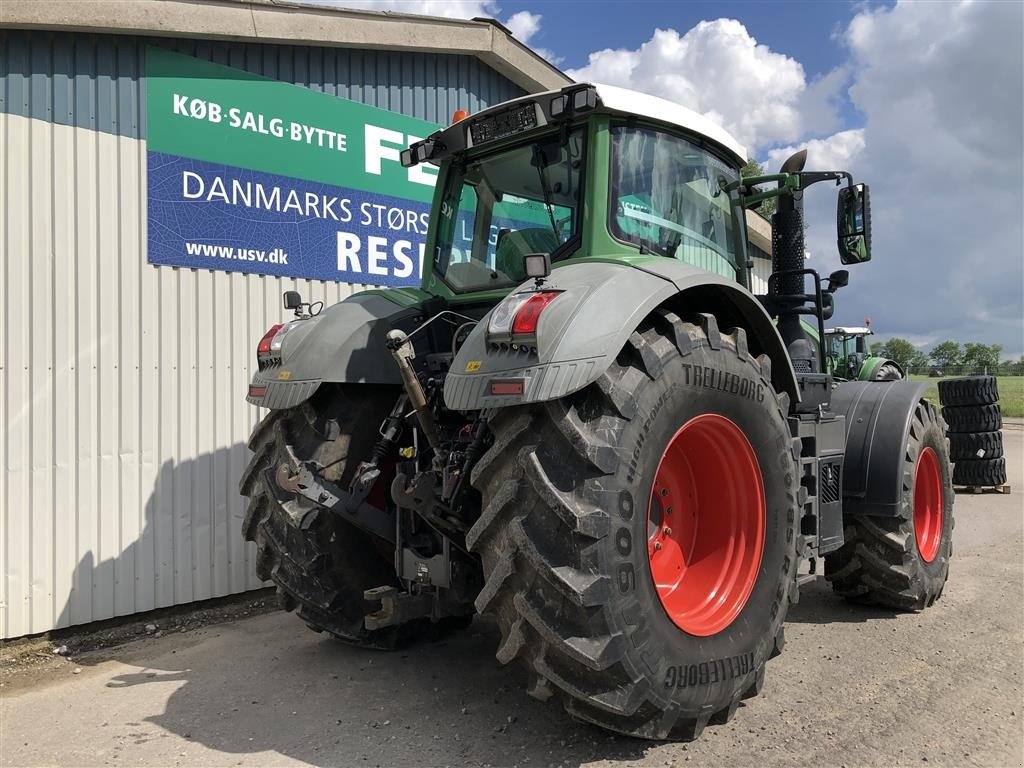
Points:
x=581, y=332
x=344, y=343
x=878, y=417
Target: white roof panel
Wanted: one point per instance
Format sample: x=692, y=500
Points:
x=663, y=110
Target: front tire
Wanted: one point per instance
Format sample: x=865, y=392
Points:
x=902, y=562
x=887, y=372
x=567, y=536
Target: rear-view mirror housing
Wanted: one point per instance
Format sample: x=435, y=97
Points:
x=853, y=226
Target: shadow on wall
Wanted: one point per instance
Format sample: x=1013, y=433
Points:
x=188, y=546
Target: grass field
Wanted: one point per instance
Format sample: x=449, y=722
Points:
x=1011, y=393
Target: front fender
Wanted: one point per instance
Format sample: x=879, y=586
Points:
x=580, y=334
x=870, y=367
x=878, y=416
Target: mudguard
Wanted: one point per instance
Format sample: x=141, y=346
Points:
x=871, y=365
x=878, y=416
x=580, y=333
x=345, y=342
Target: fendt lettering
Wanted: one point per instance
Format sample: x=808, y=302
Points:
x=586, y=426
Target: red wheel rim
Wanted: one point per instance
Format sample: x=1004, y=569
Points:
x=928, y=505
x=706, y=521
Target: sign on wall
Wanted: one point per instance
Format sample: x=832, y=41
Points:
x=247, y=174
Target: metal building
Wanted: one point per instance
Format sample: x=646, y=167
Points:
x=122, y=381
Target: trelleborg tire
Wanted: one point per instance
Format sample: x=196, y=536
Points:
x=902, y=562
x=568, y=540
x=322, y=571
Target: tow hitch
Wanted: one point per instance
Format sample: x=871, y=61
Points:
x=293, y=476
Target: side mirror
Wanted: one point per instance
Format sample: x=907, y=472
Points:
x=853, y=213
x=838, y=279
x=292, y=300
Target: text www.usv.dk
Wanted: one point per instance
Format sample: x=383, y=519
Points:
x=276, y=256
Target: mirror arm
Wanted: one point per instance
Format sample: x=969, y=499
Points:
x=813, y=177
x=788, y=183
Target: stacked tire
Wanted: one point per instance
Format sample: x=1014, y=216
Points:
x=970, y=407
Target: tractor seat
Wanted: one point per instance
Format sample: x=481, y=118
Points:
x=516, y=243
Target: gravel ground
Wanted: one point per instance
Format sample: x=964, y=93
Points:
x=854, y=687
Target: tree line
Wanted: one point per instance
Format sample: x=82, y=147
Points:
x=949, y=358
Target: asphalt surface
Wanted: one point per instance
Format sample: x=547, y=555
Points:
x=854, y=687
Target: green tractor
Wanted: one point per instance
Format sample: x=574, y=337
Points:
x=849, y=356
x=585, y=426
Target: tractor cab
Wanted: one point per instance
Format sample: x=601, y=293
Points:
x=849, y=356
x=847, y=349
x=586, y=172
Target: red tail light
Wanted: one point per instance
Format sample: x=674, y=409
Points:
x=263, y=348
x=525, y=323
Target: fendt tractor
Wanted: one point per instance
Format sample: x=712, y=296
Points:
x=586, y=426
x=850, y=358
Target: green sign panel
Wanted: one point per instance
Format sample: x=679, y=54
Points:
x=256, y=175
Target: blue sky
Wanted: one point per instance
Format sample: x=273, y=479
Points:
x=924, y=100
x=803, y=30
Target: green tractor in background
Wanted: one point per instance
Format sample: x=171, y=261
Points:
x=849, y=356
x=585, y=426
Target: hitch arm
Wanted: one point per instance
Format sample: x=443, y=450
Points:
x=296, y=477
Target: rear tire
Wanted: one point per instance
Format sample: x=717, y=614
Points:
x=973, y=390
x=564, y=535
x=902, y=562
x=321, y=572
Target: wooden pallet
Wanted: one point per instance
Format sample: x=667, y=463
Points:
x=1004, y=488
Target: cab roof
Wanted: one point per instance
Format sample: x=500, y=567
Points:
x=851, y=331
x=537, y=110
x=628, y=102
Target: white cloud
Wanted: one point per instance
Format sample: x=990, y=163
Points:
x=718, y=69
x=837, y=152
x=940, y=87
x=523, y=25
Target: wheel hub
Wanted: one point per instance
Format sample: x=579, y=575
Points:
x=928, y=505
x=706, y=524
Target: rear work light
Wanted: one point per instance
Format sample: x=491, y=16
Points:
x=517, y=315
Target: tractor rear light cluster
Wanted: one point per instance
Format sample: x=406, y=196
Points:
x=525, y=322
x=263, y=348
x=269, y=347
x=516, y=317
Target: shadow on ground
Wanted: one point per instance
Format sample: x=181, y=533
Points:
x=820, y=605
x=269, y=684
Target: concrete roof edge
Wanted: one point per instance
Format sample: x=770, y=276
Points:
x=759, y=231
x=275, y=21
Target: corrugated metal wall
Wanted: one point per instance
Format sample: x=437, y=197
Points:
x=762, y=269
x=121, y=383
